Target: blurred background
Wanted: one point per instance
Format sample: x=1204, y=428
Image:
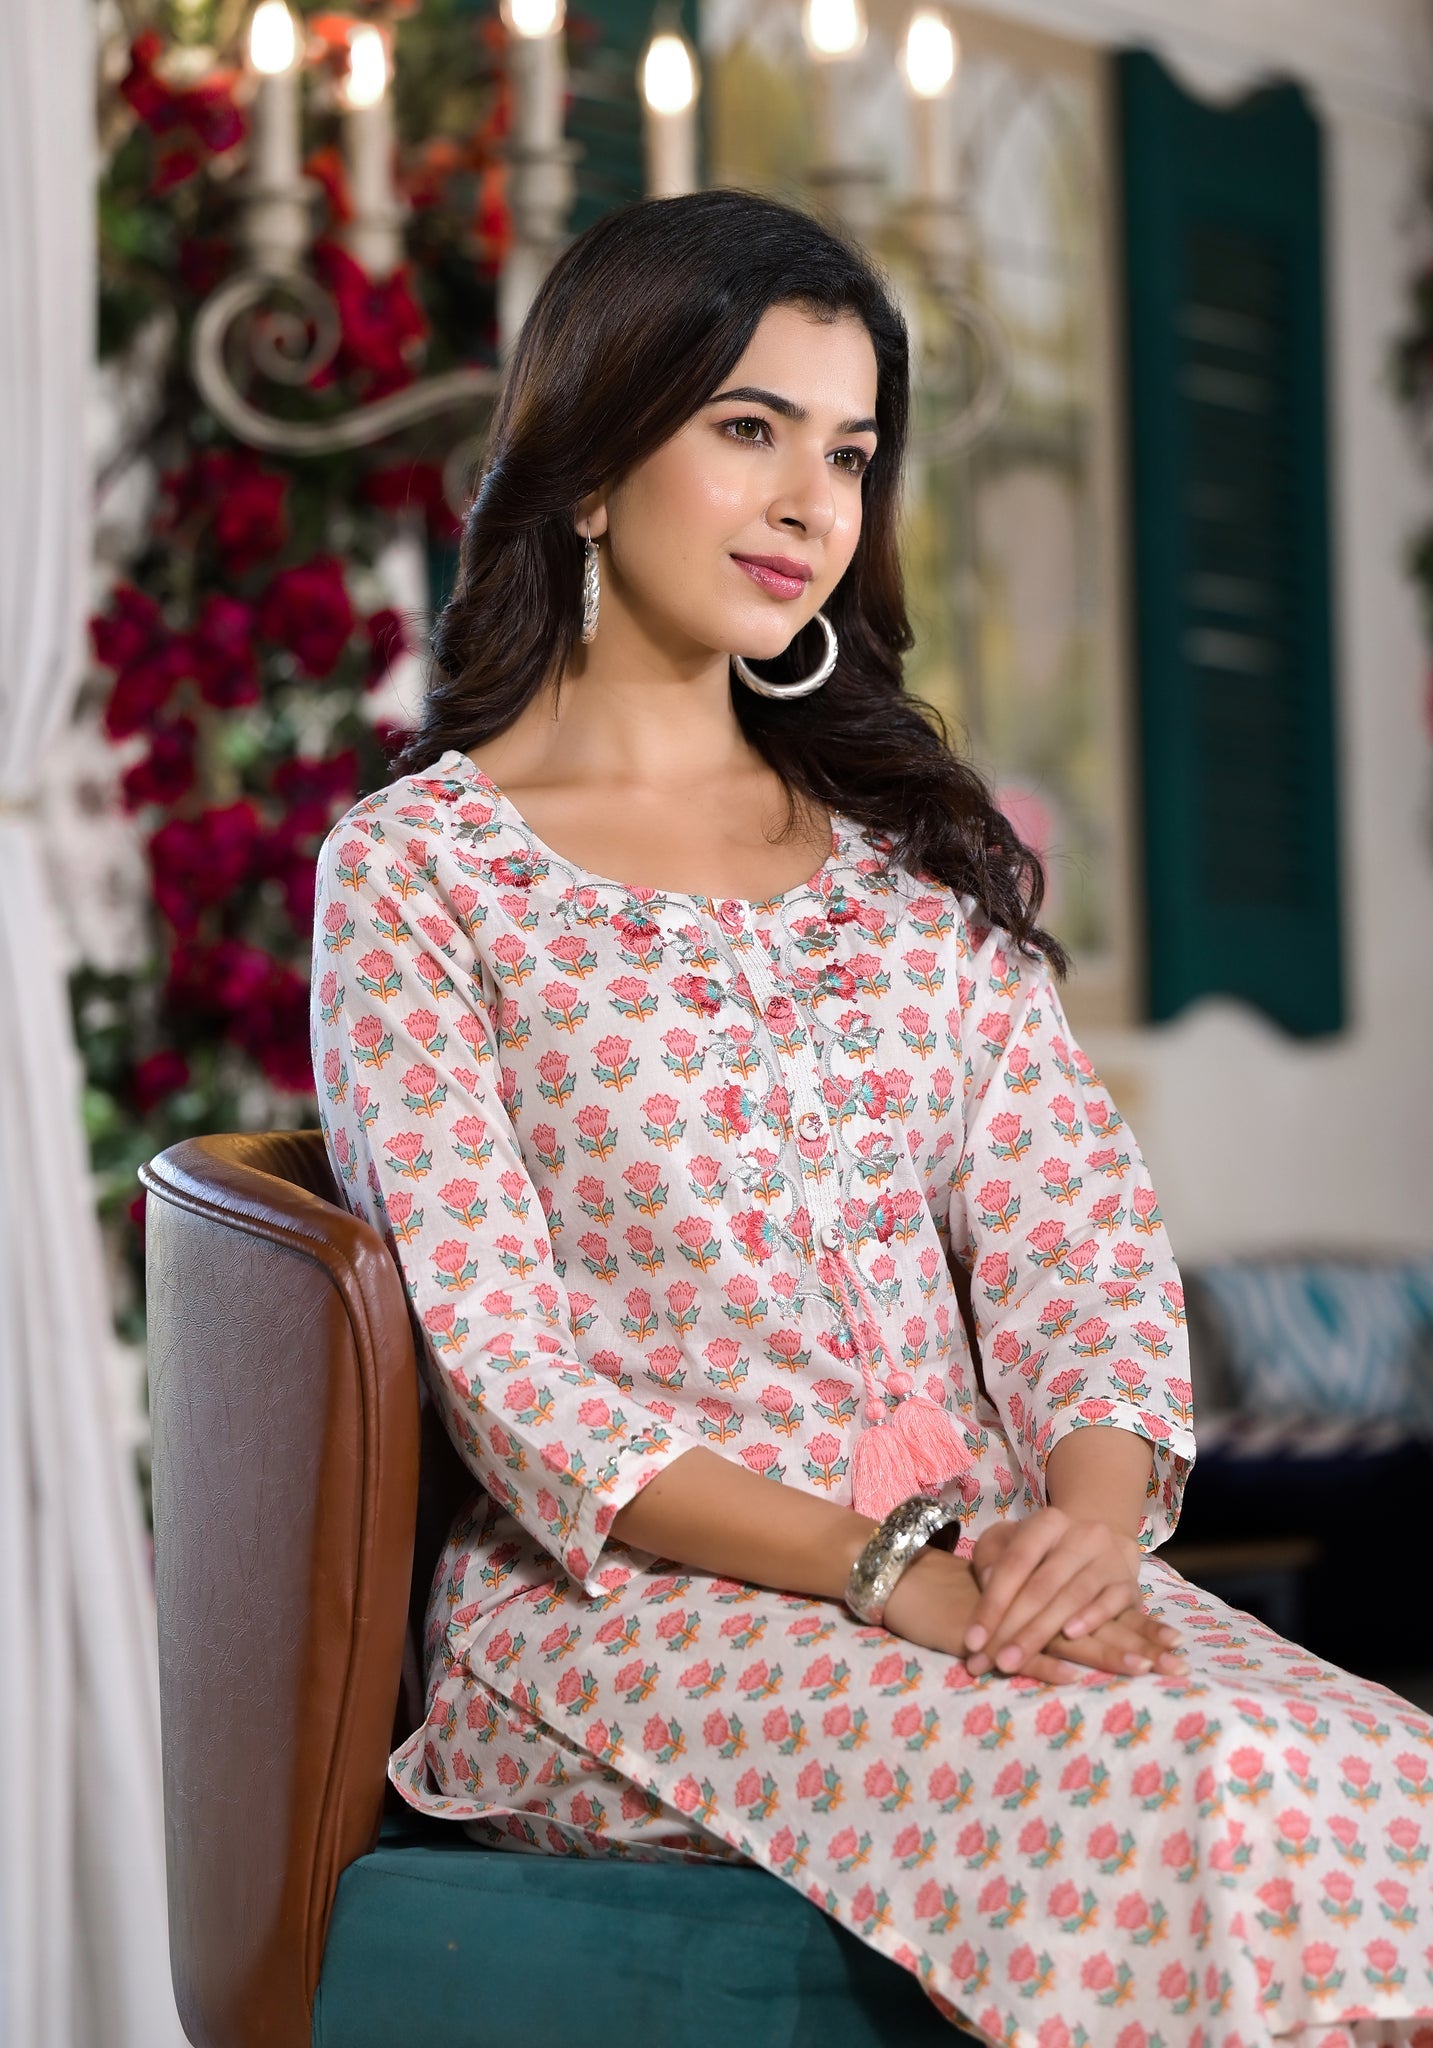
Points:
x=1169, y=539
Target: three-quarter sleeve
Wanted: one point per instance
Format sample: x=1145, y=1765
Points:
x=409, y=1084
x=1077, y=1299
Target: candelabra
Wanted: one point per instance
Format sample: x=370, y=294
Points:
x=931, y=234
x=275, y=319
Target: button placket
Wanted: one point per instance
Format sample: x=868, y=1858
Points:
x=820, y=1197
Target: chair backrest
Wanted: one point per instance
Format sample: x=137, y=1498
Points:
x=285, y=1413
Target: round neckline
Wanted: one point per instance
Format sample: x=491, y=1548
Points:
x=750, y=905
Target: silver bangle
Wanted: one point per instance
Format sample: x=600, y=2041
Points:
x=902, y=1535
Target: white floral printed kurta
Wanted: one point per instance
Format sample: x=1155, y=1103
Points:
x=662, y=1170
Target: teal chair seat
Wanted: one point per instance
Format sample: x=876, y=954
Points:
x=439, y=1942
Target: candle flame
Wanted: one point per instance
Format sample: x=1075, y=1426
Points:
x=669, y=81
x=273, y=39
x=931, y=53
x=367, y=79
x=533, y=17
x=834, y=28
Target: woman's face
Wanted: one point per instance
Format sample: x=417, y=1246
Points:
x=770, y=466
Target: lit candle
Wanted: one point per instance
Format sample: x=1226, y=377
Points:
x=929, y=59
x=835, y=32
x=274, y=130
x=539, y=158
x=372, y=236
x=834, y=28
x=537, y=63
x=276, y=222
x=846, y=185
x=668, y=79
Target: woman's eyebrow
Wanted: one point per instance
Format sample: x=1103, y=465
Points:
x=788, y=407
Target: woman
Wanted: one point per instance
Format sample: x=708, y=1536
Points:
x=683, y=1021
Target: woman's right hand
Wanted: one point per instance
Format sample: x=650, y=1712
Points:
x=936, y=1596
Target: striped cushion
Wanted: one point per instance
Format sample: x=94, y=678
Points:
x=1323, y=1337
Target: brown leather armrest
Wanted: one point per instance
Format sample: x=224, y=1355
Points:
x=284, y=1405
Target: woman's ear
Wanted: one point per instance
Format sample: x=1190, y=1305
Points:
x=594, y=508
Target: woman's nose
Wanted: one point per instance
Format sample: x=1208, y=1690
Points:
x=807, y=499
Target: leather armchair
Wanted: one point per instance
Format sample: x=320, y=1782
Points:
x=300, y=1503
x=284, y=1409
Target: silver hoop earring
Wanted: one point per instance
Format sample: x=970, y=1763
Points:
x=803, y=684
x=591, y=588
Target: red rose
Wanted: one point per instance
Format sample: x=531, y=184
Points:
x=175, y=163
x=201, y=861
x=387, y=639
x=190, y=123
x=297, y=875
x=329, y=172
x=166, y=772
x=261, y=1004
x=395, y=486
x=273, y=1029
x=160, y=106
x=133, y=639
x=382, y=325
x=247, y=504
x=157, y=1077
x=142, y=690
x=223, y=653
x=251, y=517
x=130, y=629
x=210, y=981
x=203, y=262
x=312, y=789
x=150, y=98
x=307, y=610
x=209, y=112
x=311, y=784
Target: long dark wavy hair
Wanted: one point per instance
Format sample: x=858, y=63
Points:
x=637, y=323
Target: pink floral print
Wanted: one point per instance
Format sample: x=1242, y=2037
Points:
x=662, y=1170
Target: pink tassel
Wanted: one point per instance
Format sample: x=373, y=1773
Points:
x=917, y=1451
x=883, y=1472
x=938, y=1449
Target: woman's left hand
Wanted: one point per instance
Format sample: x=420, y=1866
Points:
x=1051, y=1574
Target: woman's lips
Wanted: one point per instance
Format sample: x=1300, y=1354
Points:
x=772, y=579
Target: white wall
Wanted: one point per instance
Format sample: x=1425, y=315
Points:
x=1256, y=1140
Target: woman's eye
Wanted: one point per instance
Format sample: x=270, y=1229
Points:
x=763, y=427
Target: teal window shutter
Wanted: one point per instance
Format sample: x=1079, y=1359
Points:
x=1223, y=253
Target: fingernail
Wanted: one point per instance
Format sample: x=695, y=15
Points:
x=977, y=1665
x=1074, y=1628
x=975, y=1639
x=1009, y=1657
x=1137, y=1663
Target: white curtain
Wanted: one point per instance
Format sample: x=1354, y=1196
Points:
x=83, y=1936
